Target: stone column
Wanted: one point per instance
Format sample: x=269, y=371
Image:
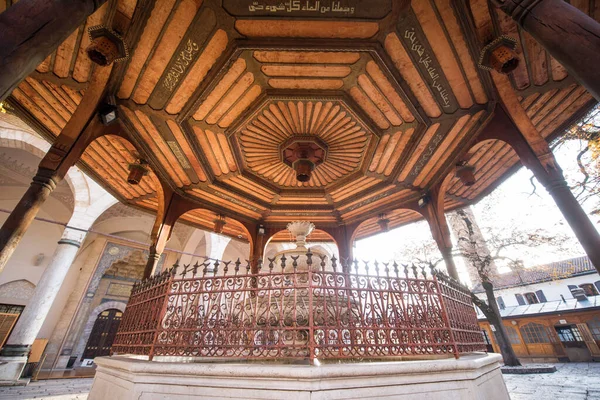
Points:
x=569, y=35
x=13, y=229
x=13, y=355
x=31, y=30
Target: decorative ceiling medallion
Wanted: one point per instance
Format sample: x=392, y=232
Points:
x=303, y=142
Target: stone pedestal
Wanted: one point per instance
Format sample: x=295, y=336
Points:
x=475, y=376
x=13, y=356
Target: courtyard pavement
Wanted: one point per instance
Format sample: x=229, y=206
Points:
x=575, y=381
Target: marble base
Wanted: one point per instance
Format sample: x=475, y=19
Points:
x=475, y=376
x=11, y=369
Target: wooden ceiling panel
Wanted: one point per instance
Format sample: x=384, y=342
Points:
x=154, y=25
x=110, y=157
x=214, y=49
x=216, y=150
x=212, y=91
x=389, y=150
x=307, y=29
x=455, y=35
x=411, y=75
x=421, y=147
x=443, y=51
x=176, y=27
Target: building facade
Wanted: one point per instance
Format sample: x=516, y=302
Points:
x=551, y=312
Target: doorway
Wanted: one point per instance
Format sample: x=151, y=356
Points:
x=103, y=334
x=573, y=342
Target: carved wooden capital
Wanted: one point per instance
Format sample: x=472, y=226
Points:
x=46, y=178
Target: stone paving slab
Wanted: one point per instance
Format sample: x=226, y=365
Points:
x=573, y=381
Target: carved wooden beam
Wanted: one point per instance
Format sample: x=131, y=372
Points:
x=31, y=30
x=569, y=35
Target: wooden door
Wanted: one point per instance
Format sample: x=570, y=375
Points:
x=589, y=340
x=103, y=334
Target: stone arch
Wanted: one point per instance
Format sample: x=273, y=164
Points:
x=27, y=141
x=87, y=328
x=16, y=292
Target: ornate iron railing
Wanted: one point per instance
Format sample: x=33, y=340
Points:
x=298, y=310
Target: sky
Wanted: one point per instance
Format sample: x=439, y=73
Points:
x=512, y=203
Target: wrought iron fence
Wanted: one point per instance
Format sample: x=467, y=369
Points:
x=298, y=310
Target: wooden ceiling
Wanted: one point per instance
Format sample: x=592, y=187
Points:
x=212, y=88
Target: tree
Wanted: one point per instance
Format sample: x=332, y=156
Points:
x=500, y=246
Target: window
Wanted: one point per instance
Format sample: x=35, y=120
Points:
x=513, y=336
x=531, y=298
x=569, y=334
x=589, y=289
x=520, y=299
x=594, y=325
x=540, y=296
x=500, y=302
x=535, y=333
x=597, y=284
x=11, y=309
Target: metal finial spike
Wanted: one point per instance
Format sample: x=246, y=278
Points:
x=334, y=263
x=205, y=264
x=283, y=259
x=405, y=269
x=323, y=262
x=414, y=269
x=387, y=268
x=356, y=266
x=248, y=267
x=237, y=265
x=216, y=265
x=226, y=267
x=366, y=266
x=424, y=271
x=295, y=261
x=259, y=264
x=309, y=255
x=185, y=270
x=271, y=263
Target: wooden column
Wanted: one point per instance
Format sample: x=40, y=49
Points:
x=548, y=173
x=569, y=35
x=31, y=30
x=344, y=238
x=172, y=206
x=83, y=128
x=433, y=212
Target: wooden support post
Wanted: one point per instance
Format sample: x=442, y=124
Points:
x=433, y=212
x=548, y=173
x=171, y=207
x=83, y=128
x=31, y=30
x=569, y=35
x=344, y=239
